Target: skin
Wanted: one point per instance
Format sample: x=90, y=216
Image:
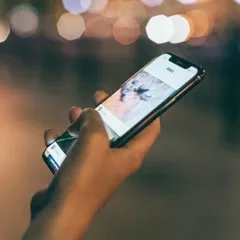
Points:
x=89, y=176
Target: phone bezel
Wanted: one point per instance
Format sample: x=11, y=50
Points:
x=157, y=111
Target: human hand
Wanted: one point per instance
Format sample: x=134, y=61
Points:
x=92, y=170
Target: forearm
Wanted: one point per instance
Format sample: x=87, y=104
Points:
x=69, y=221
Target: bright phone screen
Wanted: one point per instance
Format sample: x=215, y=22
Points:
x=135, y=100
x=144, y=92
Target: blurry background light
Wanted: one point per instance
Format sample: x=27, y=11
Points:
x=24, y=20
x=237, y=1
x=98, y=27
x=4, y=31
x=133, y=9
x=182, y=29
x=152, y=3
x=111, y=11
x=77, y=6
x=126, y=31
x=188, y=1
x=160, y=29
x=200, y=23
x=203, y=1
x=98, y=6
x=70, y=26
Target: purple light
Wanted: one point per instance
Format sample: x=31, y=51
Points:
x=152, y=3
x=77, y=6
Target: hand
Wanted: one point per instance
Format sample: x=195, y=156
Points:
x=41, y=198
x=92, y=170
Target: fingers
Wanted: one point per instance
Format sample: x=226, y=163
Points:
x=49, y=137
x=79, y=117
x=88, y=123
x=92, y=122
x=99, y=97
x=141, y=144
x=74, y=114
x=91, y=133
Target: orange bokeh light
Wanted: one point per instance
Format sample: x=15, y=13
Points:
x=111, y=11
x=133, y=9
x=126, y=31
x=203, y=1
x=71, y=26
x=98, y=27
x=199, y=22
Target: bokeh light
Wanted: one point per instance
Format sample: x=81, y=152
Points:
x=98, y=27
x=71, y=26
x=98, y=6
x=4, y=31
x=203, y=1
x=160, y=29
x=77, y=6
x=200, y=22
x=152, y=3
x=24, y=20
x=182, y=29
x=133, y=9
x=237, y=1
x=187, y=1
x=111, y=11
x=126, y=31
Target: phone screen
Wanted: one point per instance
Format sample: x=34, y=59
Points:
x=141, y=94
x=133, y=101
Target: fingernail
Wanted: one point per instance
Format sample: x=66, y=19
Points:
x=73, y=107
x=97, y=93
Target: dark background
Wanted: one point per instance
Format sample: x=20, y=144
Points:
x=188, y=187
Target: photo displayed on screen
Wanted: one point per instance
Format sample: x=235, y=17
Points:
x=133, y=102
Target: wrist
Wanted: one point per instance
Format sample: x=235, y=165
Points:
x=72, y=216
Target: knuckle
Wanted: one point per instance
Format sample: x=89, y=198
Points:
x=89, y=112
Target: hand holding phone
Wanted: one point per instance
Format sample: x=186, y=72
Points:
x=90, y=175
x=138, y=102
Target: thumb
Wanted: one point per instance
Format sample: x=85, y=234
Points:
x=89, y=127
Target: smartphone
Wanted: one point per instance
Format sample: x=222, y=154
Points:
x=138, y=102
